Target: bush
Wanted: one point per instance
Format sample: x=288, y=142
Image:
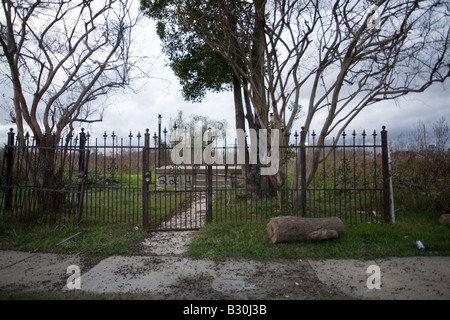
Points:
x=421, y=169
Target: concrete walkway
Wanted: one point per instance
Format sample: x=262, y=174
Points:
x=177, y=277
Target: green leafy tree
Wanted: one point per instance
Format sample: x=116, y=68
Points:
x=200, y=67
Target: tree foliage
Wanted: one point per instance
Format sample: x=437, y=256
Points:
x=198, y=68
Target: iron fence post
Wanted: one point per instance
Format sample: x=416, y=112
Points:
x=82, y=174
x=303, y=169
x=209, y=184
x=385, y=168
x=147, y=177
x=9, y=169
x=159, y=140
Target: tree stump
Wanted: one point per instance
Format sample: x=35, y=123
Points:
x=289, y=228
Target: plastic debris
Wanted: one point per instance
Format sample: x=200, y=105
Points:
x=420, y=245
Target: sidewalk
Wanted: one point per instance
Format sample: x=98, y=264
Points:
x=178, y=277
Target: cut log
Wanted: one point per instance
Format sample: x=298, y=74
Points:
x=444, y=219
x=289, y=228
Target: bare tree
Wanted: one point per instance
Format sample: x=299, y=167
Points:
x=57, y=58
x=441, y=134
x=366, y=56
x=344, y=55
x=60, y=56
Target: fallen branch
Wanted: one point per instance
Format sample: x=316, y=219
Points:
x=67, y=239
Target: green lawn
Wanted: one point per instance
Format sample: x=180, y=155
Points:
x=96, y=238
x=239, y=240
x=365, y=241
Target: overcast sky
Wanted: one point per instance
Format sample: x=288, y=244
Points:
x=161, y=95
x=130, y=111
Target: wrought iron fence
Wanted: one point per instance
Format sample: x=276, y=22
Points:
x=351, y=181
x=134, y=181
x=39, y=181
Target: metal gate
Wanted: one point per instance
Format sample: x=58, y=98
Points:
x=174, y=197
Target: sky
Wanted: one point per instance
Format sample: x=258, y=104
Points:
x=135, y=111
x=161, y=94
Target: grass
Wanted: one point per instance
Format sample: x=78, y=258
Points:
x=365, y=241
x=97, y=239
x=239, y=239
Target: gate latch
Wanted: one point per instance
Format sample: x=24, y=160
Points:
x=81, y=177
x=148, y=177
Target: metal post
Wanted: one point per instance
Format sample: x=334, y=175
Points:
x=303, y=169
x=82, y=174
x=159, y=140
x=391, y=190
x=165, y=146
x=146, y=179
x=9, y=168
x=209, y=185
x=385, y=165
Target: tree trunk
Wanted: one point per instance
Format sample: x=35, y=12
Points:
x=289, y=228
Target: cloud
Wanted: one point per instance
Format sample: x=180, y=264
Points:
x=134, y=112
x=402, y=115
